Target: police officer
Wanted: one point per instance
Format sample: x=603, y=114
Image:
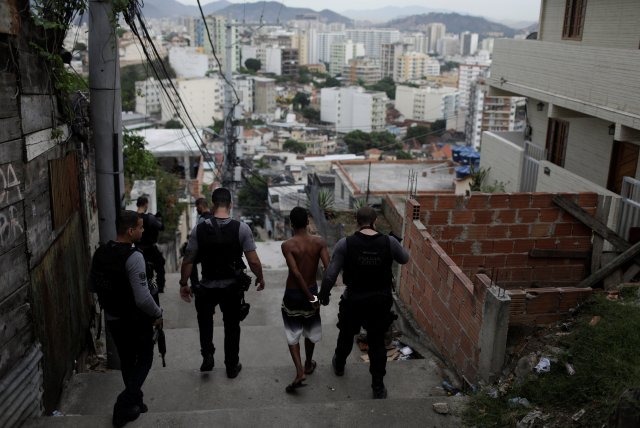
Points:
x=118, y=277
x=218, y=244
x=202, y=208
x=148, y=243
x=365, y=259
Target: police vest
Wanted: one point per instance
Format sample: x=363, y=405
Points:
x=110, y=279
x=150, y=234
x=367, y=266
x=219, y=249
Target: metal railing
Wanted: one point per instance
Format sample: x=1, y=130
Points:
x=533, y=154
x=630, y=208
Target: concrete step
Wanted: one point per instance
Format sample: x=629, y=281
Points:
x=178, y=390
x=392, y=412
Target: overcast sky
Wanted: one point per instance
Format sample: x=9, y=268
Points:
x=500, y=9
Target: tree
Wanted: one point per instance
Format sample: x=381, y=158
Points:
x=253, y=64
x=418, y=133
x=252, y=196
x=79, y=47
x=401, y=154
x=439, y=126
x=300, y=101
x=294, y=146
x=173, y=124
x=386, y=85
x=311, y=114
x=359, y=141
x=448, y=66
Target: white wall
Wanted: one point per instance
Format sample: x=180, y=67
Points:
x=505, y=159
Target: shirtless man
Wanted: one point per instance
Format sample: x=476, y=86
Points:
x=300, y=307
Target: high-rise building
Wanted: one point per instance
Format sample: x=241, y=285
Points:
x=341, y=53
x=426, y=103
x=264, y=95
x=217, y=29
x=435, y=31
x=414, y=66
x=364, y=70
x=325, y=40
x=468, y=43
x=448, y=45
x=468, y=73
x=389, y=52
x=353, y=108
x=373, y=39
x=202, y=98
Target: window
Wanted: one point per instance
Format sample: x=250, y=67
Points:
x=557, y=134
x=574, y=11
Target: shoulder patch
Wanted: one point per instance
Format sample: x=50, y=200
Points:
x=142, y=276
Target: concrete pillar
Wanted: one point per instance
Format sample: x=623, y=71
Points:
x=493, y=333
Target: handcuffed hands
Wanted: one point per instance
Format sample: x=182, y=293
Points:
x=323, y=296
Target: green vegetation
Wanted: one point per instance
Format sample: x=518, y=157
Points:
x=418, y=133
x=300, y=101
x=359, y=141
x=252, y=196
x=478, y=178
x=448, y=66
x=386, y=85
x=139, y=164
x=606, y=361
x=401, y=154
x=253, y=65
x=291, y=145
x=173, y=124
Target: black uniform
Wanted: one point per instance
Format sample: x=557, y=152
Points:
x=118, y=277
x=218, y=244
x=366, y=263
x=194, y=278
x=148, y=244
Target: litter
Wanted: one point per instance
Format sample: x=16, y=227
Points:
x=530, y=420
x=570, y=370
x=406, y=351
x=519, y=402
x=57, y=413
x=577, y=415
x=543, y=366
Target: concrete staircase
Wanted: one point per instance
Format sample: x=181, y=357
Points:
x=179, y=395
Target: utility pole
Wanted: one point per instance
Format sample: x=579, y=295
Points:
x=229, y=114
x=106, y=123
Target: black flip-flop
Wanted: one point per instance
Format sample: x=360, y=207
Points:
x=313, y=367
x=291, y=388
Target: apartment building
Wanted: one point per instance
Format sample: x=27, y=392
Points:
x=414, y=66
x=218, y=31
x=468, y=43
x=202, y=100
x=435, y=32
x=490, y=113
x=149, y=95
x=325, y=40
x=426, y=103
x=353, y=108
x=580, y=78
x=373, y=39
x=389, y=52
x=362, y=70
x=342, y=53
x=264, y=95
x=188, y=62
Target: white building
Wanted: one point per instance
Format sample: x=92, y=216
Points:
x=435, y=32
x=389, y=53
x=149, y=95
x=245, y=90
x=419, y=42
x=426, y=103
x=188, y=62
x=490, y=113
x=468, y=43
x=580, y=78
x=373, y=39
x=202, y=98
x=217, y=29
x=448, y=45
x=342, y=53
x=352, y=108
x=325, y=40
x=264, y=95
x=467, y=74
x=414, y=66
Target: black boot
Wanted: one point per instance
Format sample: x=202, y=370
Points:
x=207, y=363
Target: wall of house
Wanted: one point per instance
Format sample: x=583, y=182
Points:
x=589, y=148
x=607, y=23
x=498, y=151
x=48, y=223
x=461, y=247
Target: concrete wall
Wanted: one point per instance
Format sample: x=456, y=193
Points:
x=607, y=23
x=504, y=158
x=466, y=250
x=589, y=149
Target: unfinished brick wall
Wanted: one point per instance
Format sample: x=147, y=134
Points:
x=454, y=238
x=536, y=306
x=495, y=233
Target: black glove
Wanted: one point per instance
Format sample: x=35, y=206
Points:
x=323, y=296
x=399, y=239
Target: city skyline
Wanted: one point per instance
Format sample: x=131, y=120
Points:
x=526, y=10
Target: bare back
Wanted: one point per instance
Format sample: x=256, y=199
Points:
x=303, y=252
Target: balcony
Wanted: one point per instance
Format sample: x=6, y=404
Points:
x=596, y=81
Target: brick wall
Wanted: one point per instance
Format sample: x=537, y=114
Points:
x=456, y=243
x=494, y=233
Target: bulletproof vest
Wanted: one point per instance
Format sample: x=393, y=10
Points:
x=367, y=266
x=219, y=249
x=110, y=279
x=150, y=234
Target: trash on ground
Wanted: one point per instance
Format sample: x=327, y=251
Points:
x=570, y=370
x=577, y=415
x=492, y=392
x=57, y=413
x=530, y=420
x=331, y=388
x=406, y=351
x=595, y=320
x=441, y=408
x=519, y=402
x=452, y=390
x=543, y=366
